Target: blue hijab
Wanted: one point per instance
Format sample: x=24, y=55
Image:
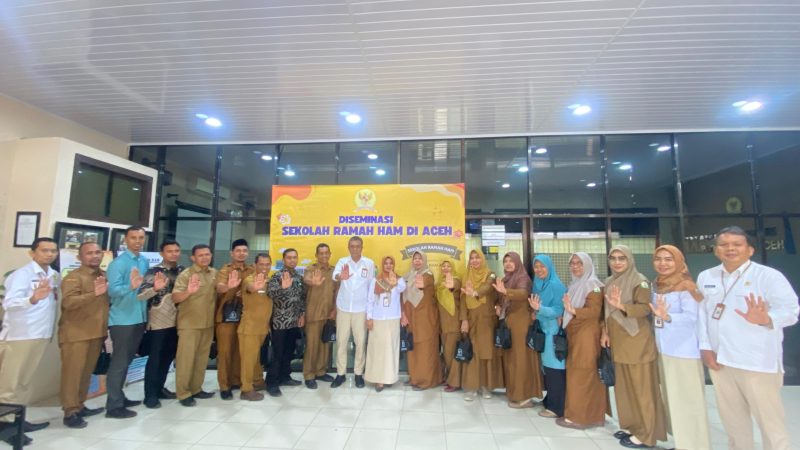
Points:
x=550, y=290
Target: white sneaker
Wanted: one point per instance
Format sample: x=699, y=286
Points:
x=470, y=396
x=486, y=393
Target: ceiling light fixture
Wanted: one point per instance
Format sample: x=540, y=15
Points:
x=541, y=151
x=266, y=157
x=289, y=172
x=505, y=186
x=748, y=106
x=579, y=109
x=213, y=122
x=663, y=148
x=380, y=172
x=201, y=116
x=625, y=166
x=372, y=156
x=522, y=169
x=591, y=185
x=351, y=118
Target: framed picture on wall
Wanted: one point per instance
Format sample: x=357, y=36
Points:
x=118, y=240
x=27, y=228
x=71, y=235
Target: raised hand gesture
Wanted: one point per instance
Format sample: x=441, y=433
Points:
x=393, y=279
x=286, y=280
x=661, y=308
x=100, y=286
x=419, y=283
x=233, y=279
x=194, y=284
x=136, y=279
x=500, y=287
x=757, y=310
x=316, y=278
x=159, y=281
x=614, y=297
x=568, y=304
x=534, y=301
x=448, y=281
x=42, y=290
x=345, y=273
x=260, y=281
x=468, y=289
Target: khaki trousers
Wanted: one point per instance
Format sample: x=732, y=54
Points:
x=683, y=389
x=78, y=360
x=451, y=366
x=347, y=323
x=250, y=353
x=191, y=360
x=18, y=362
x=742, y=393
x=315, y=360
x=228, y=364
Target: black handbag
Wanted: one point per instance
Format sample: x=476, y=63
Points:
x=212, y=351
x=300, y=345
x=502, y=336
x=560, y=344
x=536, y=336
x=605, y=367
x=406, y=340
x=232, y=312
x=463, y=349
x=329, y=331
x=103, y=361
x=144, y=345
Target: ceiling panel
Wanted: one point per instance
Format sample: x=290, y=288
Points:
x=284, y=70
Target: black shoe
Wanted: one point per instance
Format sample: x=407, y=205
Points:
x=188, y=401
x=621, y=434
x=359, y=381
x=10, y=440
x=311, y=384
x=31, y=427
x=132, y=403
x=120, y=413
x=166, y=394
x=626, y=442
x=75, y=421
x=226, y=395
x=152, y=403
x=274, y=391
x=202, y=395
x=89, y=412
x=338, y=381
x=326, y=378
x=290, y=382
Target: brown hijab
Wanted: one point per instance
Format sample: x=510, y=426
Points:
x=518, y=279
x=627, y=282
x=680, y=279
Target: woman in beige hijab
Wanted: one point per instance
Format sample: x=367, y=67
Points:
x=422, y=320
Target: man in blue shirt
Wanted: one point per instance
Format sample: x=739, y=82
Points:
x=126, y=319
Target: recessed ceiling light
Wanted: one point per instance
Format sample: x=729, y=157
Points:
x=740, y=103
x=266, y=157
x=201, y=116
x=625, y=166
x=505, y=186
x=591, y=185
x=579, y=109
x=515, y=165
x=751, y=106
x=663, y=148
x=654, y=144
x=616, y=163
x=213, y=122
x=380, y=172
x=289, y=172
x=541, y=151
x=135, y=188
x=372, y=156
x=522, y=169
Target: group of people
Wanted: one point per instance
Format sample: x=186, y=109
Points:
x=659, y=333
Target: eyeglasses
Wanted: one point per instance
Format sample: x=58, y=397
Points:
x=617, y=258
x=577, y=263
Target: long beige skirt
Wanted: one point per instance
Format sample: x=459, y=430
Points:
x=683, y=387
x=383, y=352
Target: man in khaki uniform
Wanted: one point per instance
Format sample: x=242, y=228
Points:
x=229, y=290
x=320, y=306
x=81, y=332
x=194, y=294
x=254, y=327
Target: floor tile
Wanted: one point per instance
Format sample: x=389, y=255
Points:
x=276, y=436
x=364, y=439
x=290, y=415
x=517, y=442
x=377, y=419
x=335, y=417
x=420, y=440
x=470, y=441
x=466, y=423
x=324, y=438
x=185, y=432
x=567, y=443
x=421, y=421
x=234, y=434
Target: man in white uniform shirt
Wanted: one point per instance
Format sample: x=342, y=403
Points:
x=354, y=274
x=30, y=316
x=746, y=306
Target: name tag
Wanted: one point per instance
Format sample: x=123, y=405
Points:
x=709, y=286
x=718, y=310
x=385, y=299
x=364, y=272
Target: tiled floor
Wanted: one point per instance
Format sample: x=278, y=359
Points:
x=343, y=418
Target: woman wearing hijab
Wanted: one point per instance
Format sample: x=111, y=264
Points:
x=383, y=322
x=675, y=308
x=630, y=335
x=587, y=396
x=422, y=320
x=522, y=371
x=484, y=371
x=448, y=295
x=548, y=306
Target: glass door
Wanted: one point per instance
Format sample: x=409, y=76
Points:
x=496, y=237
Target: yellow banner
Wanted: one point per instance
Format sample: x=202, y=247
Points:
x=393, y=220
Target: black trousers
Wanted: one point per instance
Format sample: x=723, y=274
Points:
x=279, y=367
x=162, y=344
x=555, y=383
x=125, y=340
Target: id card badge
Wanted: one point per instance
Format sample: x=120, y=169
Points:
x=364, y=272
x=718, y=310
x=385, y=298
x=658, y=322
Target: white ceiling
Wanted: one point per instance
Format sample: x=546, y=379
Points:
x=283, y=70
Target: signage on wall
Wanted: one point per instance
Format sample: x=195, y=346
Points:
x=493, y=235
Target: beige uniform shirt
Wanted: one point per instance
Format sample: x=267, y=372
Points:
x=197, y=311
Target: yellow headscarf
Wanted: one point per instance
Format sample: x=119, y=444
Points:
x=476, y=277
x=443, y=294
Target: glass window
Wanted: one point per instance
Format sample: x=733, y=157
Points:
x=188, y=181
x=187, y=233
x=429, y=162
x=714, y=172
x=255, y=232
x=566, y=175
x=302, y=164
x=368, y=163
x=560, y=238
x=640, y=176
x=494, y=182
x=776, y=154
x=515, y=240
x=145, y=155
x=700, y=233
x=643, y=235
x=246, y=178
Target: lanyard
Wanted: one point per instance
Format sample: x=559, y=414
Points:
x=726, y=291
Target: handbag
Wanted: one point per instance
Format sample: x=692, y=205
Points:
x=605, y=367
x=502, y=336
x=560, y=344
x=300, y=345
x=212, y=351
x=463, y=349
x=329, y=331
x=536, y=336
x=232, y=312
x=103, y=361
x=406, y=340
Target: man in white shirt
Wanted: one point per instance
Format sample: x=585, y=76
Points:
x=30, y=315
x=746, y=306
x=354, y=273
